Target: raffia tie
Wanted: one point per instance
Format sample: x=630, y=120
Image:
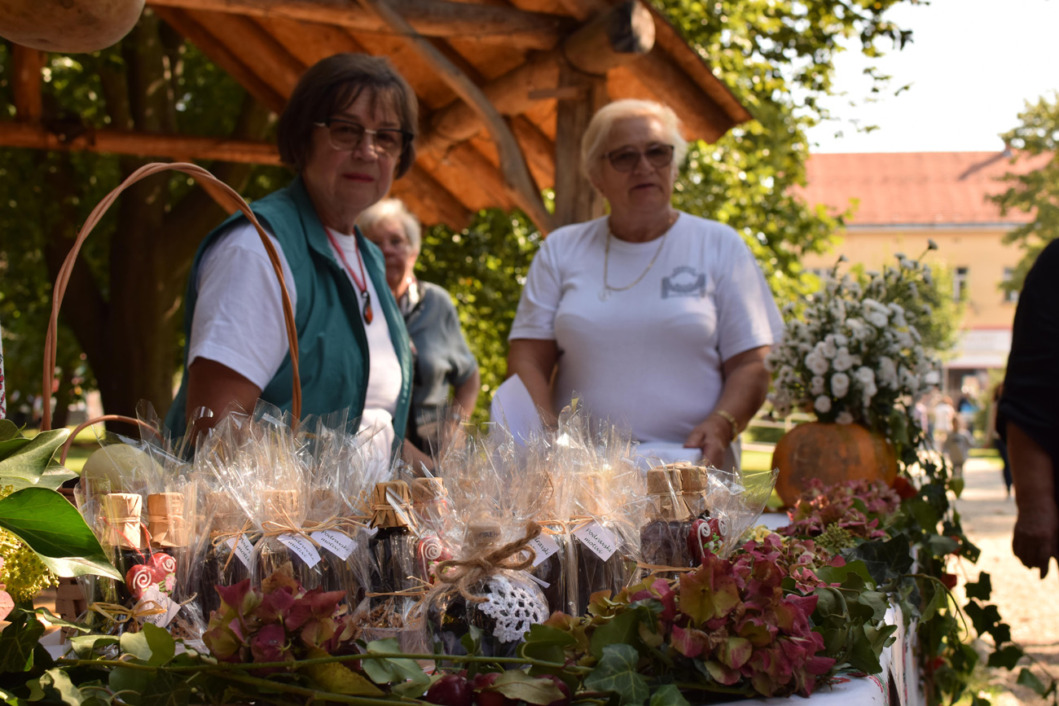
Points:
x=464, y=573
x=119, y=614
x=217, y=538
x=345, y=525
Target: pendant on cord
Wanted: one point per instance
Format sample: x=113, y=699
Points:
x=367, y=311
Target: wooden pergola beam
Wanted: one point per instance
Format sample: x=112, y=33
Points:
x=430, y=18
x=616, y=37
x=26, y=88
x=177, y=147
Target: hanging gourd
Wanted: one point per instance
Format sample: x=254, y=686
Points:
x=68, y=26
x=833, y=453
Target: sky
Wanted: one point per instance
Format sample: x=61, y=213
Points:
x=972, y=66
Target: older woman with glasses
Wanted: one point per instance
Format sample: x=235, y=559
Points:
x=443, y=361
x=347, y=132
x=657, y=320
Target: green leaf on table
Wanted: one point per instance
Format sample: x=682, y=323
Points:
x=668, y=695
x=29, y=461
x=616, y=673
x=546, y=644
x=392, y=670
x=17, y=642
x=55, y=530
x=621, y=629
x=61, y=682
x=516, y=684
x=85, y=646
x=152, y=645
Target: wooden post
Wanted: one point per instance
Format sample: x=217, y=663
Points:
x=576, y=200
x=26, y=85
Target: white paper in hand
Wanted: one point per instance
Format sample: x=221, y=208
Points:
x=513, y=408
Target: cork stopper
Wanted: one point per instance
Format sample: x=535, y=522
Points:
x=226, y=514
x=383, y=513
x=428, y=490
x=692, y=478
x=121, y=512
x=663, y=485
x=165, y=519
x=480, y=535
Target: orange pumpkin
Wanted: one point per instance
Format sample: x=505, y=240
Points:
x=833, y=453
x=68, y=26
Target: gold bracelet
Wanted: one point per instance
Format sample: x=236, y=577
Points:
x=730, y=418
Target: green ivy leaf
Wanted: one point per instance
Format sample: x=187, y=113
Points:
x=55, y=530
x=85, y=646
x=61, y=682
x=616, y=673
x=152, y=645
x=1007, y=657
x=390, y=670
x=981, y=589
x=621, y=629
x=125, y=680
x=516, y=684
x=668, y=695
x=17, y=642
x=27, y=462
x=546, y=644
x=165, y=689
x=1030, y=680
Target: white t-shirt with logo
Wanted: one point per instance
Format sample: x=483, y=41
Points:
x=648, y=358
x=238, y=321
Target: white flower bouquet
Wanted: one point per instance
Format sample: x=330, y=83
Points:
x=853, y=352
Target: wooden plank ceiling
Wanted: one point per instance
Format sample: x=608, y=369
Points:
x=508, y=55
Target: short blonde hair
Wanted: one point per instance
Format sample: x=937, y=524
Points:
x=395, y=209
x=602, y=123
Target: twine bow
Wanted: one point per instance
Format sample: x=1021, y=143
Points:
x=464, y=573
x=119, y=614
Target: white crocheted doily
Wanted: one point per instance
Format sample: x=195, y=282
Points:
x=514, y=605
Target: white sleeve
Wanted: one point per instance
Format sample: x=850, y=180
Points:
x=238, y=319
x=535, y=317
x=747, y=313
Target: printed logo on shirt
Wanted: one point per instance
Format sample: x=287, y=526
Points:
x=684, y=282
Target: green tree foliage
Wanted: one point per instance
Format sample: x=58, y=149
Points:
x=122, y=308
x=1035, y=192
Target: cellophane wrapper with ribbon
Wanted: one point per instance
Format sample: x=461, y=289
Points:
x=734, y=502
x=484, y=598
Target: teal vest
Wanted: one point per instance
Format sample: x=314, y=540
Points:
x=332, y=345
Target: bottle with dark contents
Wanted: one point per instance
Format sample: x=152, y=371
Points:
x=550, y=569
x=128, y=549
x=168, y=531
x=284, y=546
x=229, y=551
x=598, y=561
x=506, y=603
x=340, y=564
x=693, y=488
x=430, y=505
x=391, y=554
x=663, y=539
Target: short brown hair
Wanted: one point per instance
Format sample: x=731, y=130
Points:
x=332, y=84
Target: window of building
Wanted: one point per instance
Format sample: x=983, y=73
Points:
x=959, y=283
x=1010, y=296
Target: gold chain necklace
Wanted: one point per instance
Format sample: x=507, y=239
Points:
x=604, y=293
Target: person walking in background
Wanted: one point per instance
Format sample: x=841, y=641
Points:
x=921, y=415
x=992, y=438
x=957, y=446
x=1028, y=414
x=443, y=361
x=944, y=414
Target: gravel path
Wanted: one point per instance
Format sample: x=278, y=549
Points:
x=1026, y=603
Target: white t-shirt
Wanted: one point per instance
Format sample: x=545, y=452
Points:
x=238, y=321
x=648, y=358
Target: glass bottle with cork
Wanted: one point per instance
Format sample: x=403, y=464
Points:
x=664, y=538
x=229, y=553
x=391, y=554
x=599, y=562
x=284, y=546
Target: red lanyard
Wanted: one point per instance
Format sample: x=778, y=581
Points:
x=362, y=283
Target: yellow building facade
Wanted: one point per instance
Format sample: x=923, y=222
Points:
x=900, y=202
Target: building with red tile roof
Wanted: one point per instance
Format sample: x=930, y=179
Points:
x=902, y=200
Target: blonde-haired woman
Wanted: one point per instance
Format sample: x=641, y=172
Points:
x=658, y=320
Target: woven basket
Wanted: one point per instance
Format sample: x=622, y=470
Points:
x=70, y=600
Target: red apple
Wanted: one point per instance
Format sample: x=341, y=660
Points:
x=451, y=690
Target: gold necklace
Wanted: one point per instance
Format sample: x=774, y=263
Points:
x=604, y=293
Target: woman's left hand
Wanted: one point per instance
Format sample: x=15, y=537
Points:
x=713, y=436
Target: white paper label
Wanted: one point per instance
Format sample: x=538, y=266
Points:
x=301, y=546
x=244, y=550
x=338, y=543
x=599, y=539
x=154, y=599
x=543, y=546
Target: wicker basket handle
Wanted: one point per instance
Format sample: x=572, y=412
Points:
x=223, y=194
